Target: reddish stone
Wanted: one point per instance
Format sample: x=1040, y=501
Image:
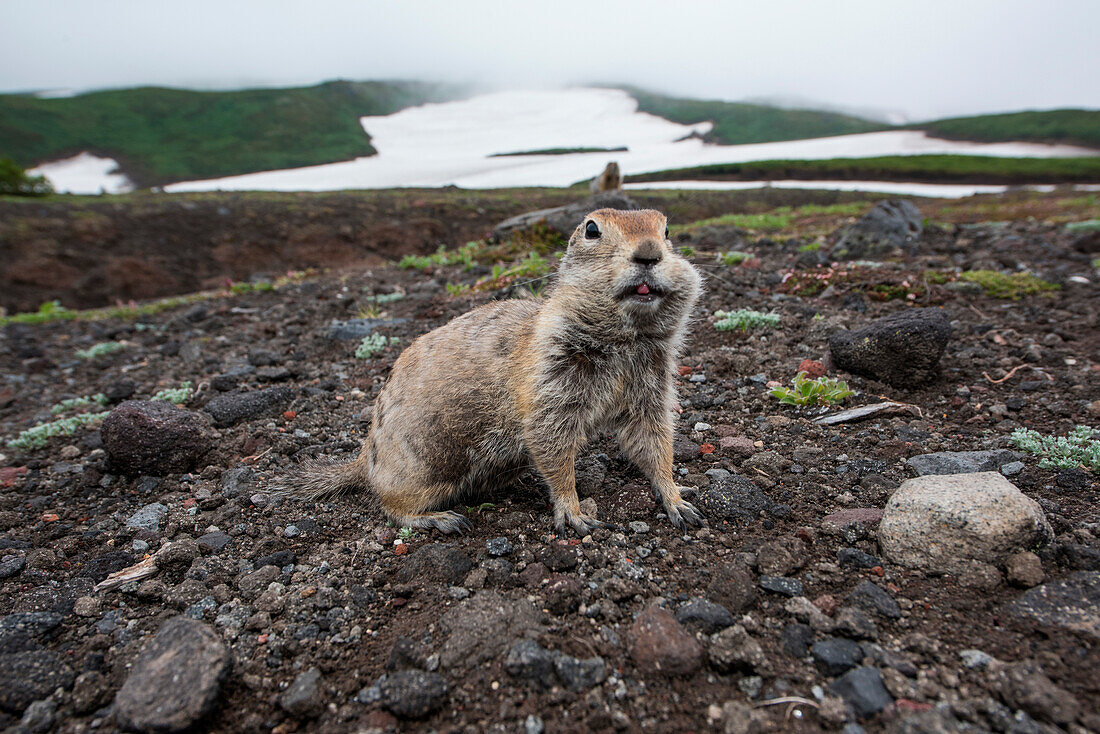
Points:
x=659, y=645
x=737, y=445
x=866, y=517
x=50, y=517
x=400, y=549
x=685, y=370
x=812, y=368
x=9, y=474
x=707, y=448
x=726, y=431
x=826, y=603
x=289, y=415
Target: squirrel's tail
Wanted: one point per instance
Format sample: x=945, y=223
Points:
x=316, y=479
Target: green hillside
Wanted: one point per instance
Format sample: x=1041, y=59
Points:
x=161, y=135
x=1072, y=127
x=736, y=123
x=920, y=168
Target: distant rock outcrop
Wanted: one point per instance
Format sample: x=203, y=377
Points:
x=889, y=226
x=564, y=219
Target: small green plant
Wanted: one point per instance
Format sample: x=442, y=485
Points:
x=373, y=344
x=687, y=251
x=810, y=247
x=1012, y=286
x=239, y=289
x=733, y=257
x=386, y=297
x=1089, y=225
x=178, y=395
x=463, y=256
x=1080, y=448
x=37, y=436
x=100, y=350
x=458, y=289
x=483, y=507
x=406, y=533
x=745, y=319
x=820, y=391
x=1096, y=263
x=369, y=311
x=81, y=402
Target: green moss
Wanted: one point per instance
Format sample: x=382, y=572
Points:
x=81, y=402
x=1081, y=448
x=745, y=320
x=1090, y=225
x=373, y=344
x=178, y=395
x=100, y=350
x=1013, y=286
x=733, y=257
x=686, y=251
x=39, y=435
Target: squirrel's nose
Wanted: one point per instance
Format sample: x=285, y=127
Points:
x=648, y=254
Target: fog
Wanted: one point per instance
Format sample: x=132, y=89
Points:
x=920, y=59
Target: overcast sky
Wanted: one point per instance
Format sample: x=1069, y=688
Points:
x=924, y=58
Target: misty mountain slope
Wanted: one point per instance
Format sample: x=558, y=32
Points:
x=160, y=135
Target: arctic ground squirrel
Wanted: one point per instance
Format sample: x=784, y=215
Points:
x=518, y=384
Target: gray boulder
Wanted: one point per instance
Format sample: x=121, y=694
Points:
x=564, y=219
x=891, y=225
x=940, y=523
x=902, y=349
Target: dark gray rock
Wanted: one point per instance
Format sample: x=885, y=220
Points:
x=704, y=615
x=735, y=498
x=214, y=541
x=20, y=631
x=356, y=329
x=148, y=517
x=529, y=660
x=39, y=717
x=863, y=690
x=564, y=219
x=412, y=694
x=481, y=626
x=155, y=437
x=902, y=349
x=781, y=585
x=231, y=408
x=579, y=674
x=236, y=480
x=855, y=558
x=435, y=562
x=796, y=639
x=960, y=462
x=874, y=598
x=1023, y=685
x=11, y=566
x=890, y=225
x=175, y=680
x=105, y=564
x=1072, y=603
x=853, y=622
x=302, y=698
x=28, y=676
x=835, y=655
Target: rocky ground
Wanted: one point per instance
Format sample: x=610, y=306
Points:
x=830, y=589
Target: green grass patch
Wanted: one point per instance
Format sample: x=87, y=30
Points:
x=1090, y=225
x=733, y=257
x=53, y=311
x=560, y=151
x=768, y=221
x=1012, y=286
x=929, y=168
x=687, y=251
x=464, y=256
x=1069, y=126
x=819, y=391
x=1081, y=448
x=37, y=436
x=100, y=350
x=745, y=319
x=161, y=135
x=736, y=123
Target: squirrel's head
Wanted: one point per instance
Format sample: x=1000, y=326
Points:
x=626, y=256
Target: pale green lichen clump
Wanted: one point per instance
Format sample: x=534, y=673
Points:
x=1080, y=448
x=745, y=320
x=373, y=344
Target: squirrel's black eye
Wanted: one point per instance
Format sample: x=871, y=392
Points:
x=591, y=231
x=666, y=233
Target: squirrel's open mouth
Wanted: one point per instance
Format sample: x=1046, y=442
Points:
x=642, y=292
